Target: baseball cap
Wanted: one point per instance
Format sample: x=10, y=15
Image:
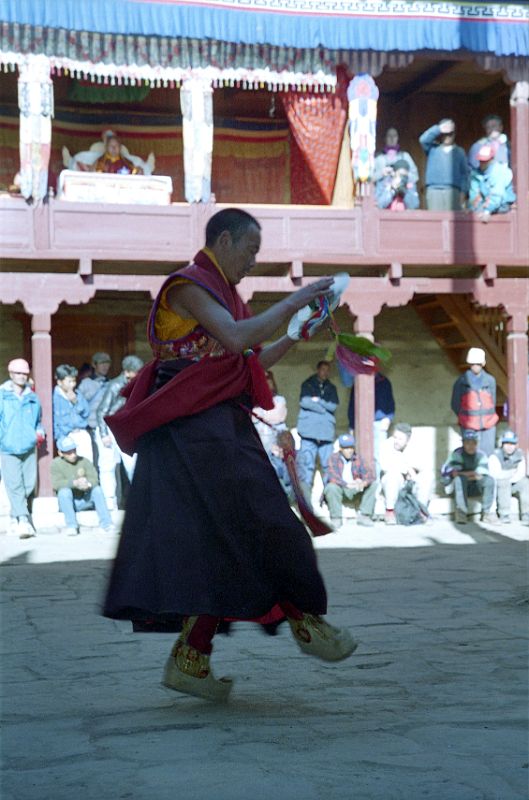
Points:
x=100, y=358
x=469, y=435
x=485, y=153
x=449, y=124
x=18, y=365
x=346, y=440
x=509, y=437
x=66, y=444
x=476, y=356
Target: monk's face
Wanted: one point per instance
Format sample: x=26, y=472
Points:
x=237, y=257
x=113, y=147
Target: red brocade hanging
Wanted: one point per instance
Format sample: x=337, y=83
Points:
x=317, y=125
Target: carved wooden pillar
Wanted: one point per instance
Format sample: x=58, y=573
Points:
x=520, y=148
x=42, y=375
x=517, y=353
x=364, y=389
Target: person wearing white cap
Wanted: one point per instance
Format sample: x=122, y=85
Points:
x=474, y=400
x=20, y=433
x=491, y=190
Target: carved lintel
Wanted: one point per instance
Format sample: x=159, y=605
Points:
x=42, y=293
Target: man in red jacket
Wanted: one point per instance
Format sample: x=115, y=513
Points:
x=474, y=401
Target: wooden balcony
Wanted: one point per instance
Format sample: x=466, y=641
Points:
x=296, y=235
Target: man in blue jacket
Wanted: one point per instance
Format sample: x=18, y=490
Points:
x=20, y=432
x=71, y=411
x=316, y=423
x=446, y=168
x=491, y=190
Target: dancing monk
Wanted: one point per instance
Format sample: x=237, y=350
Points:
x=209, y=535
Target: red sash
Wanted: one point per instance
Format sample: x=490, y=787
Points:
x=201, y=385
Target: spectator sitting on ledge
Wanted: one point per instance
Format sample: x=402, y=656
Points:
x=74, y=479
x=345, y=477
x=507, y=466
x=467, y=468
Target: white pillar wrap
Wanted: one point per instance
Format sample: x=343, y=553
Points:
x=35, y=101
x=196, y=102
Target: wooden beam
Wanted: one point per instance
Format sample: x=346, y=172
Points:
x=395, y=272
x=422, y=81
x=490, y=272
x=490, y=95
x=296, y=269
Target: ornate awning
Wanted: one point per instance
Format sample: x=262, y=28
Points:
x=257, y=43
x=493, y=27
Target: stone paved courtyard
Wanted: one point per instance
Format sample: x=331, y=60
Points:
x=432, y=705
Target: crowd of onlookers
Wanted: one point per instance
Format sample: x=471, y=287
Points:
x=481, y=467
x=480, y=181
x=90, y=470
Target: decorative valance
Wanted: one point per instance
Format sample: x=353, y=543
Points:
x=161, y=61
x=405, y=25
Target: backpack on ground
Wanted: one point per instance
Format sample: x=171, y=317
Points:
x=408, y=510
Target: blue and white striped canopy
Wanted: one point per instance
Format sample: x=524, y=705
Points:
x=501, y=29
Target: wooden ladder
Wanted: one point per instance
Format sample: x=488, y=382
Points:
x=458, y=324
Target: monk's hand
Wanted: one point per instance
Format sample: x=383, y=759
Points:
x=312, y=291
x=305, y=300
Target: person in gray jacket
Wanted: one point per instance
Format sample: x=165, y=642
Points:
x=316, y=422
x=110, y=455
x=92, y=389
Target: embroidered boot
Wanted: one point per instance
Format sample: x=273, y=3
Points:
x=188, y=670
x=317, y=638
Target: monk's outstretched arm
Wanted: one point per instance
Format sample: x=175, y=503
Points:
x=191, y=301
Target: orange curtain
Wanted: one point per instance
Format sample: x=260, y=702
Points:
x=317, y=124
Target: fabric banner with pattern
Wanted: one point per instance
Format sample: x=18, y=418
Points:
x=251, y=158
